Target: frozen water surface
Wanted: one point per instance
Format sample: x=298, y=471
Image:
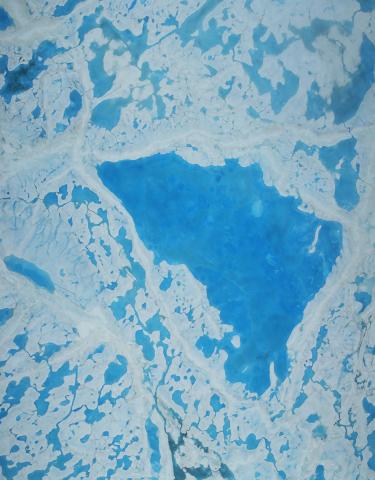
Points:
x=187, y=239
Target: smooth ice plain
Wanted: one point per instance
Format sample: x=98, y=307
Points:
x=187, y=264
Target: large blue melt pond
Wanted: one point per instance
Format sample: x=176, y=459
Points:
x=252, y=248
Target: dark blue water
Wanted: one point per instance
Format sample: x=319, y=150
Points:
x=241, y=239
x=21, y=78
x=367, y=5
x=31, y=271
x=5, y=19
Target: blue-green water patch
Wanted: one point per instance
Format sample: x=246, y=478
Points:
x=83, y=195
x=364, y=298
x=99, y=77
x=107, y=113
x=345, y=99
x=338, y=159
x=31, y=271
x=369, y=408
x=283, y=92
x=166, y=282
x=36, y=112
x=16, y=390
x=310, y=33
x=5, y=315
x=177, y=398
x=371, y=447
x=66, y=8
x=319, y=473
x=240, y=238
x=75, y=105
x=316, y=105
x=252, y=442
x=194, y=21
x=55, y=379
x=145, y=343
x=346, y=194
x=320, y=432
x=313, y=418
x=115, y=370
x=153, y=441
x=9, y=468
x=215, y=403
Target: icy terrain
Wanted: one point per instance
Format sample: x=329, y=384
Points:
x=187, y=239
